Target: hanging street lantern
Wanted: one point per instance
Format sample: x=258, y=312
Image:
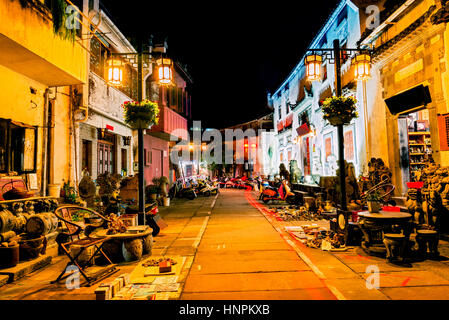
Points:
x=165, y=73
x=362, y=66
x=313, y=67
x=114, y=69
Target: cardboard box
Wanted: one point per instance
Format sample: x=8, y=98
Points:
x=164, y=266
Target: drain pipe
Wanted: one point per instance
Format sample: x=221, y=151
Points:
x=45, y=146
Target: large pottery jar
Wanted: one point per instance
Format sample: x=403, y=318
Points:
x=9, y=256
x=30, y=247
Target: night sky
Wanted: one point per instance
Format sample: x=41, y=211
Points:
x=236, y=51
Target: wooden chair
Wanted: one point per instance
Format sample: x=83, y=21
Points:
x=73, y=218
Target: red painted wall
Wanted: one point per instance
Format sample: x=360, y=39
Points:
x=152, y=146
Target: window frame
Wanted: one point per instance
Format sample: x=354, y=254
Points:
x=9, y=162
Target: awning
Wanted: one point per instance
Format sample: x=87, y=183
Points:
x=410, y=99
x=19, y=124
x=288, y=121
x=303, y=130
x=280, y=125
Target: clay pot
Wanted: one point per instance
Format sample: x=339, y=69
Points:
x=7, y=221
x=30, y=248
x=147, y=243
x=42, y=224
x=132, y=249
x=9, y=257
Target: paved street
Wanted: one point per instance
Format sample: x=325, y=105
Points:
x=236, y=250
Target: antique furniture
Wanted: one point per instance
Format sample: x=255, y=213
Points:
x=73, y=218
x=127, y=246
x=376, y=225
x=395, y=245
x=427, y=240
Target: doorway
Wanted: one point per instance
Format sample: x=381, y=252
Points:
x=415, y=143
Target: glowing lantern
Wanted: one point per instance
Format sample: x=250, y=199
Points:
x=362, y=66
x=313, y=67
x=165, y=73
x=115, y=72
x=191, y=146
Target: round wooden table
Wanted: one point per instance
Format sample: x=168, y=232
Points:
x=129, y=245
x=375, y=225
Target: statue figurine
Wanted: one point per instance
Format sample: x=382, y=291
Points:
x=87, y=189
x=296, y=173
x=414, y=205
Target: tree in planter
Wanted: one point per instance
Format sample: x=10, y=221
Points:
x=339, y=110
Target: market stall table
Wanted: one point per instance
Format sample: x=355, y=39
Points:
x=375, y=225
x=129, y=245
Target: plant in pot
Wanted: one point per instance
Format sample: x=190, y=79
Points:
x=141, y=115
x=339, y=110
x=374, y=202
x=152, y=192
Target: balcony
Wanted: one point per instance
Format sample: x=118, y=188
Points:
x=29, y=46
x=169, y=121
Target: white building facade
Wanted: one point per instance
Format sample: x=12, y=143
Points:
x=301, y=132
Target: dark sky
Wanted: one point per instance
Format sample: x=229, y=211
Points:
x=236, y=51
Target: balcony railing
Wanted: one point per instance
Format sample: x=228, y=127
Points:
x=169, y=121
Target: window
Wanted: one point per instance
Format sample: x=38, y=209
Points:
x=18, y=144
x=106, y=159
x=280, y=112
x=124, y=162
x=342, y=16
x=86, y=156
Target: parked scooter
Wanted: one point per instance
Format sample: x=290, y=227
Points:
x=282, y=193
x=205, y=188
x=180, y=190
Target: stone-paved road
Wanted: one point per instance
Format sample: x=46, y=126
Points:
x=242, y=257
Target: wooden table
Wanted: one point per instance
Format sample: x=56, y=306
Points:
x=127, y=246
x=375, y=225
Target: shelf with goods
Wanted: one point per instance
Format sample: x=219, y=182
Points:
x=419, y=146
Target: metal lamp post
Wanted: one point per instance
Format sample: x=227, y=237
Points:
x=313, y=70
x=115, y=78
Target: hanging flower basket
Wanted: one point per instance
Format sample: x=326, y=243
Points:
x=339, y=110
x=141, y=115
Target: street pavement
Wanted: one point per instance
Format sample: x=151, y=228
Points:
x=236, y=250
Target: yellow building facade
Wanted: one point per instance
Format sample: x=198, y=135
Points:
x=408, y=88
x=39, y=72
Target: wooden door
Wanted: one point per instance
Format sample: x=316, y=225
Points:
x=156, y=163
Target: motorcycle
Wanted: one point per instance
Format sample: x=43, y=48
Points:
x=180, y=190
x=206, y=189
x=282, y=193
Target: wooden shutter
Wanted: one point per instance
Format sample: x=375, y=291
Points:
x=443, y=128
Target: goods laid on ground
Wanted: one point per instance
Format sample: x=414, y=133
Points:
x=317, y=237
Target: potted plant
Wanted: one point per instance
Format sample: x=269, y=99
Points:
x=374, y=201
x=152, y=192
x=339, y=110
x=141, y=115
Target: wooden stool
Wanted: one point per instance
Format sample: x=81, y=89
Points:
x=395, y=243
x=427, y=239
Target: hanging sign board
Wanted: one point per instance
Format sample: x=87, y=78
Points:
x=410, y=99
